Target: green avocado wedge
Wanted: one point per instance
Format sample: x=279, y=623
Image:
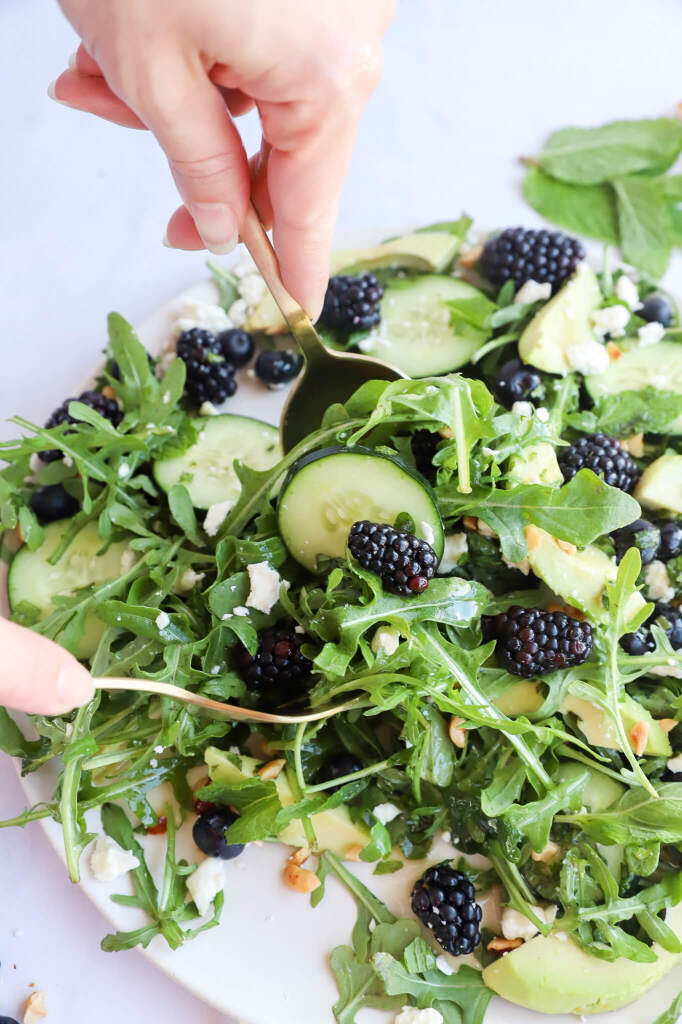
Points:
x=660, y=485
x=334, y=829
x=640, y=367
x=553, y=975
x=564, y=322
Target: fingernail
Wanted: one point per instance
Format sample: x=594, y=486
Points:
x=166, y=242
x=217, y=225
x=53, y=95
x=73, y=61
x=74, y=686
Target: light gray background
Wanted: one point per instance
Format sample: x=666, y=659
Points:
x=467, y=88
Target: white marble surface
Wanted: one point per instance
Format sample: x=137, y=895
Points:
x=467, y=88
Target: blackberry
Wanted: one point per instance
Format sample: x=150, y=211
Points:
x=640, y=534
x=209, y=377
x=424, y=445
x=53, y=502
x=642, y=642
x=209, y=833
x=277, y=367
x=531, y=641
x=604, y=456
x=278, y=660
x=237, y=346
x=404, y=563
x=107, y=407
x=515, y=382
x=524, y=254
x=352, y=303
x=656, y=307
x=671, y=539
x=444, y=900
x=338, y=765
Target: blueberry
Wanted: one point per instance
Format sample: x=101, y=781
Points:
x=640, y=534
x=656, y=307
x=638, y=643
x=671, y=539
x=673, y=618
x=276, y=368
x=53, y=502
x=238, y=346
x=338, y=765
x=7, y=1020
x=515, y=382
x=209, y=834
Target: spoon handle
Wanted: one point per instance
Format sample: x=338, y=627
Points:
x=255, y=238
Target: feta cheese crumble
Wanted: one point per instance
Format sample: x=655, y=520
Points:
x=241, y=611
x=239, y=312
x=123, y=470
x=589, y=357
x=674, y=764
x=108, y=861
x=251, y=289
x=533, y=291
x=524, y=409
x=216, y=515
x=162, y=620
x=411, y=1015
x=613, y=320
x=265, y=586
x=651, y=334
x=188, y=580
x=444, y=965
x=658, y=582
x=205, y=883
x=385, y=639
x=626, y=291
x=386, y=812
x=207, y=409
x=542, y=414
x=207, y=315
x=427, y=533
x=517, y=926
x=455, y=546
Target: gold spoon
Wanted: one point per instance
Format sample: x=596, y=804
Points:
x=217, y=708
x=327, y=376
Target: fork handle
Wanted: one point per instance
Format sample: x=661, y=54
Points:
x=255, y=238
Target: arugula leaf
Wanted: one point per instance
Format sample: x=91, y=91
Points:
x=419, y=957
x=588, y=156
x=644, y=223
x=12, y=739
x=183, y=513
x=585, y=209
x=465, y=988
x=638, y=817
x=673, y=1013
x=629, y=412
x=534, y=820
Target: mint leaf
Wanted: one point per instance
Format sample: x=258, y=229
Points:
x=648, y=411
x=586, y=209
x=419, y=957
x=644, y=222
x=226, y=282
x=588, y=156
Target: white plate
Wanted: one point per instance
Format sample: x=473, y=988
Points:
x=267, y=962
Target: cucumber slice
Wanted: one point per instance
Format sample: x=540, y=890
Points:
x=415, y=333
x=638, y=368
x=328, y=490
x=207, y=467
x=32, y=578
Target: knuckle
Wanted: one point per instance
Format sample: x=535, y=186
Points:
x=211, y=167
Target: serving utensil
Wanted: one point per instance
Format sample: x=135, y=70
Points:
x=327, y=376
x=217, y=708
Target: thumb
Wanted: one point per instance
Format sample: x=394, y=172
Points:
x=39, y=676
x=194, y=128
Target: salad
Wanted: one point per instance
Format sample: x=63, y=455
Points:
x=480, y=565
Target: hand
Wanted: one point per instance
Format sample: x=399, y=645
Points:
x=182, y=67
x=37, y=675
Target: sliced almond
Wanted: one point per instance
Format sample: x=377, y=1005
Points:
x=566, y=546
x=469, y=522
x=446, y=433
x=353, y=852
x=36, y=1008
x=639, y=734
x=469, y=258
x=668, y=724
x=272, y=769
x=205, y=781
x=501, y=945
x=300, y=856
x=545, y=855
x=299, y=879
x=613, y=351
x=109, y=392
x=485, y=530
x=457, y=735
x=634, y=445
x=533, y=537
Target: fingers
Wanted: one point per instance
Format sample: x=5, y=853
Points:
x=37, y=675
x=83, y=62
x=205, y=154
x=182, y=232
x=91, y=94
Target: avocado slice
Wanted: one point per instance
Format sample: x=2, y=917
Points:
x=520, y=698
x=563, y=322
x=580, y=577
x=660, y=485
x=537, y=464
x=555, y=976
x=600, y=731
x=600, y=790
x=641, y=367
x=425, y=251
x=334, y=829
